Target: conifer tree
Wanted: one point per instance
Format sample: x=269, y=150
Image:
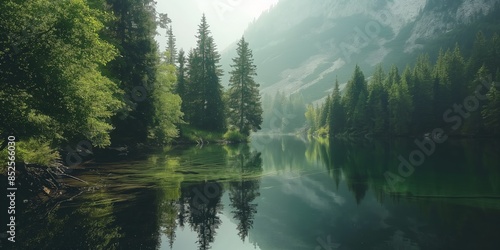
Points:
x=491, y=111
x=172, y=51
x=356, y=89
x=181, y=79
x=474, y=123
x=377, y=102
x=400, y=106
x=133, y=30
x=337, y=113
x=325, y=108
x=245, y=108
x=204, y=91
x=478, y=55
x=423, y=96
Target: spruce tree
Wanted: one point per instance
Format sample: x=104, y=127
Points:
x=491, y=111
x=456, y=71
x=495, y=53
x=475, y=124
x=325, y=108
x=377, y=102
x=193, y=98
x=204, y=92
x=423, y=95
x=215, y=118
x=245, y=109
x=478, y=55
x=133, y=31
x=181, y=79
x=355, y=108
x=400, y=106
x=442, y=88
x=166, y=23
x=337, y=113
x=172, y=51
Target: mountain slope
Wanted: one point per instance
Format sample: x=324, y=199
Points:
x=301, y=46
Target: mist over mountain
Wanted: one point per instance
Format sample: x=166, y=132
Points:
x=302, y=46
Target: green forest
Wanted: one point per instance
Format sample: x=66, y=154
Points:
x=239, y=125
x=456, y=94
x=91, y=70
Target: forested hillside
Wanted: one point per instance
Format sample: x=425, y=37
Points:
x=302, y=47
x=456, y=95
x=90, y=71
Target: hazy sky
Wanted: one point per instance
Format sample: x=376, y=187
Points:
x=227, y=19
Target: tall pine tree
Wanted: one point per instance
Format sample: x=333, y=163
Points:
x=355, y=100
x=337, y=113
x=133, y=31
x=204, y=90
x=377, y=102
x=172, y=51
x=245, y=108
x=400, y=106
x=181, y=79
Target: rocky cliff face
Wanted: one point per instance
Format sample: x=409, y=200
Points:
x=301, y=46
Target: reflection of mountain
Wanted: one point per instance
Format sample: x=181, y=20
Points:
x=353, y=211
x=319, y=195
x=280, y=154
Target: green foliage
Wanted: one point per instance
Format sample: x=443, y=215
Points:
x=245, y=108
x=171, y=49
x=190, y=134
x=51, y=83
x=377, y=101
x=400, y=107
x=311, y=118
x=422, y=91
x=355, y=100
x=132, y=31
x=167, y=106
x=420, y=99
x=234, y=135
x=324, y=112
x=282, y=114
x=204, y=93
x=322, y=132
x=337, y=116
x=491, y=112
x=36, y=151
x=180, y=88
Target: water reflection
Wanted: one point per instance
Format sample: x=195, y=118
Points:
x=452, y=201
x=89, y=225
x=289, y=194
x=244, y=190
x=199, y=203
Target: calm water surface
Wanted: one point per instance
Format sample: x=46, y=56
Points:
x=281, y=193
